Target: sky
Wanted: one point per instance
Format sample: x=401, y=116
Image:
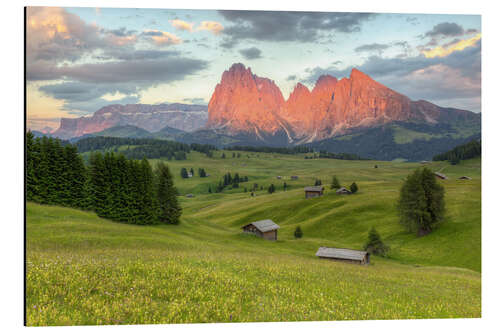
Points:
x=81, y=59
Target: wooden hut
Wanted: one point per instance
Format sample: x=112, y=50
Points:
x=294, y=177
x=266, y=229
x=313, y=191
x=343, y=190
x=465, y=178
x=344, y=255
x=278, y=177
x=440, y=175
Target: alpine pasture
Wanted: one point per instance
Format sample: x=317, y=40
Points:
x=82, y=269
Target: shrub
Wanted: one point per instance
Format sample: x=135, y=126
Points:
x=354, y=188
x=298, y=232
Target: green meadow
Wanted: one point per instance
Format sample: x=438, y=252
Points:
x=82, y=269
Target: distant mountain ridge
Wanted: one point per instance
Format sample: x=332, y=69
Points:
x=246, y=104
x=152, y=118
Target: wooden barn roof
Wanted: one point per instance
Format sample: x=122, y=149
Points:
x=343, y=189
x=331, y=252
x=264, y=225
x=440, y=175
x=313, y=188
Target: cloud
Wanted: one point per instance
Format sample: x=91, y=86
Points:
x=228, y=43
x=212, y=26
x=251, y=53
x=53, y=34
x=161, y=38
x=455, y=45
x=89, y=97
x=375, y=47
x=196, y=100
x=445, y=29
x=289, y=26
x=291, y=77
x=182, y=25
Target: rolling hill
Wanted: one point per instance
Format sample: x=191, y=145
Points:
x=85, y=270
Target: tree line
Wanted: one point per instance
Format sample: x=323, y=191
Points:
x=466, y=151
x=278, y=150
x=138, y=148
x=113, y=186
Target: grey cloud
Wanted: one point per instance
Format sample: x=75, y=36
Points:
x=372, y=47
x=445, y=29
x=291, y=78
x=289, y=26
x=196, y=100
x=251, y=53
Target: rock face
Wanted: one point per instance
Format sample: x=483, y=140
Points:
x=245, y=103
x=152, y=118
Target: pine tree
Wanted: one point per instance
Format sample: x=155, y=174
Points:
x=223, y=155
x=169, y=210
x=354, y=187
x=317, y=182
x=148, y=208
x=184, y=173
x=192, y=172
x=374, y=245
x=284, y=186
x=209, y=189
x=31, y=161
x=298, y=232
x=335, y=183
x=271, y=189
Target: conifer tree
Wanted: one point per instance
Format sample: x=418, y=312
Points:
x=298, y=232
x=184, y=173
x=374, y=245
x=335, y=183
x=354, y=187
x=271, y=189
x=421, y=202
x=169, y=210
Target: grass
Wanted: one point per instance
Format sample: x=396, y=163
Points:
x=82, y=269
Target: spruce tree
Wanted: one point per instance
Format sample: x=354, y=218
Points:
x=184, y=173
x=421, y=202
x=298, y=232
x=354, y=187
x=335, y=183
x=169, y=210
x=271, y=189
x=374, y=245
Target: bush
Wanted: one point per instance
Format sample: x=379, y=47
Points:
x=375, y=244
x=354, y=188
x=298, y=232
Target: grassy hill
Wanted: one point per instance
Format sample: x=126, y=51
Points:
x=86, y=270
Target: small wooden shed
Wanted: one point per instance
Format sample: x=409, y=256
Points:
x=465, y=178
x=313, y=191
x=440, y=175
x=294, y=177
x=266, y=229
x=343, y=190
x=344, y=255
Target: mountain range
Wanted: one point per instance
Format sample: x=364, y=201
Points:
x=152, y=118
x=246, y=104
x=353, y=115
